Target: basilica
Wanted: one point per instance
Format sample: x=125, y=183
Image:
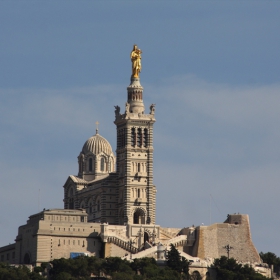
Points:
x=118, y=189
x=110, y=205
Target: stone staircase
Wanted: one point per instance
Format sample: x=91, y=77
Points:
x=151, y=252
x=167, y=233
x=143, y=254
x=123, y=243
x=176, y=241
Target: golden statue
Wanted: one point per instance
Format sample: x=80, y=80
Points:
x=135, y=56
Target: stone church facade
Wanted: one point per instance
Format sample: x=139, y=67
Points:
x=125, y=195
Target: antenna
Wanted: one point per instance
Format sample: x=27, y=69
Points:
x=39, y=201
x=211, y=198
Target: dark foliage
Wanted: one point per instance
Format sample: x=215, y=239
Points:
x=176, y=262
x=271, y=259
x=116, y=268
x=8, y=272
x=229, y=269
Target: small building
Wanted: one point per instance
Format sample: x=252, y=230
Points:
x=56, y=233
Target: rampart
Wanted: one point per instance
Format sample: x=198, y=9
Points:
x=212, y=241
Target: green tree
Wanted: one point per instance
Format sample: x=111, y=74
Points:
x=229, y=269
x=195, y=276
x=122, y=276
x=174, y=259
x=138, y=265
x=115, y=264
x=271, y=259
x=64, y=276
x=8, y=272
x=176, y=262
x=185, y=265
x=95, y=265
x=80, y=267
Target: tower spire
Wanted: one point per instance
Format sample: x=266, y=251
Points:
x=135, y=153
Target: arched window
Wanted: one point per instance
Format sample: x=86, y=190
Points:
x=139, y=217
x=90, y=164
x=102, y=164
x=196, y=275
x=139, y=137
x=82, y=205
x=71, y=192
x=133, y=140
x=81, y=165
x=71, y=203
x=90, y=208
x=145, y=137
x=71, y=199
x=121, y=216
x=26, y=258
x=98, y=205
x=146, y=237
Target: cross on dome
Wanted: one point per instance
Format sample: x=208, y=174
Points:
x=97, y=123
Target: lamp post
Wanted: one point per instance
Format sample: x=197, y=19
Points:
x=130, y=242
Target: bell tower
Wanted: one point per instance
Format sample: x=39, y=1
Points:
x=136, y=192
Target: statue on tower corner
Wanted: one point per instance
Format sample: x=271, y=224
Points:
x=135, y=56
x=117, y=110
x=152, y=109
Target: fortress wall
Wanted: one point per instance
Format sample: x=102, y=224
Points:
x=235, y=232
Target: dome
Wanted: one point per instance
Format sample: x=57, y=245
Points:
x=97, y=144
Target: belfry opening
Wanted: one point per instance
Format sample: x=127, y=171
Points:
x=139, y=217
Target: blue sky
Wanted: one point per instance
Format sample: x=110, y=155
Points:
x=211, y=67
